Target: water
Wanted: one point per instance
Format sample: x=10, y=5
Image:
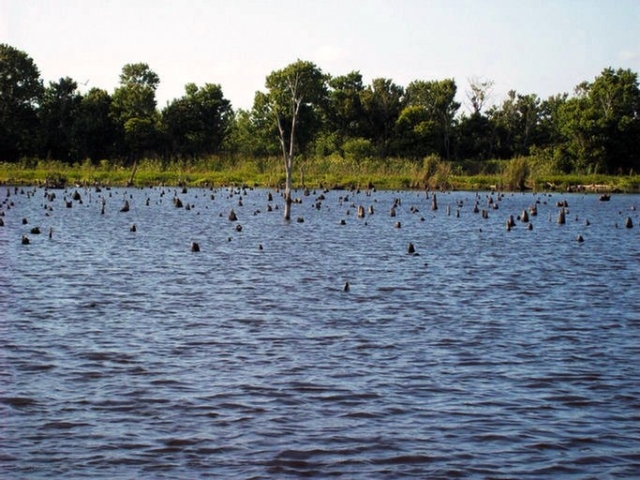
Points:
x=490, y=354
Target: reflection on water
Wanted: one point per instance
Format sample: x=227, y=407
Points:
x=489, y=354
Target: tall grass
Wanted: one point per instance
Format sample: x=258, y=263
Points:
x=332, y=171
x=516, y=174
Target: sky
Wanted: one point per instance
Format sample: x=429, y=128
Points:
x=542, y=47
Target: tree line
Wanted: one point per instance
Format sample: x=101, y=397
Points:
x=596, y=129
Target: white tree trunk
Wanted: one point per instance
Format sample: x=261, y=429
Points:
x=288, y=148
x=287, y=188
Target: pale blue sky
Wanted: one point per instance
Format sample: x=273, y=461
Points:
x=542, y=47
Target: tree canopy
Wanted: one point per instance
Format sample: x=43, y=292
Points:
x=307, y=112
x=22, y=92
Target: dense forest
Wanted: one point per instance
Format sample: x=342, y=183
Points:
x=596, y=129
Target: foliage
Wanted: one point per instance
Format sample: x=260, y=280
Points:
x=429, y=166
x=322, y=172
x=516, y=124
x=436, y=173
x=59, y=111
x=474, y=138
x=358, y=149
x=305, y=112
x=381, y=105
x=20, y=93
x=516, y=174
x=437, y=99
x=344, y=113
x=415, y=133
x=94, y=127
x=197, y=123
x=133, y=109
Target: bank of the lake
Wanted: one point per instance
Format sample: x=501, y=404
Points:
x=390, y=174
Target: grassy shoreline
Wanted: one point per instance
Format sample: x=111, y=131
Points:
x=329, y=173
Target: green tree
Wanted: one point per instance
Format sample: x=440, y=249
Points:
x=550, y=147
x=415, y=133
x=516, y=124
x=133, y=109
x=436, y=99
x=94, y=126
x=262, y=129
x=253, y=133
x=382, y=102
x=58, y=116
x=293, y=99
x=473, y=133
x=578, y=125
x=345, y=114
x=549, y=122
x=616, y=98
x=243, y=138
x=601, y=123
x=20, y=94
x=426, y=124
x=181, y=128
x=197, y=123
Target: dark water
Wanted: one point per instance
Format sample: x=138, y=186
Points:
x=491, y=354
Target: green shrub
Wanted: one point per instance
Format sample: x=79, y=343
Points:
x=516, y=174
x=358, y=149
x=436, y=173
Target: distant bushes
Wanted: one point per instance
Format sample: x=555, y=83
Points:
x=516, y=174
x=333, y=171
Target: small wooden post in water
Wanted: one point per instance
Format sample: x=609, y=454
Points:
x=561, y=217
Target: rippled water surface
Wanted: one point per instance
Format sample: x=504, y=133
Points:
x=489, y=354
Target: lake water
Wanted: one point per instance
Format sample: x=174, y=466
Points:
x=489, y=354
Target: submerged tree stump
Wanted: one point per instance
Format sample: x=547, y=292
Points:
x=561, y=217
